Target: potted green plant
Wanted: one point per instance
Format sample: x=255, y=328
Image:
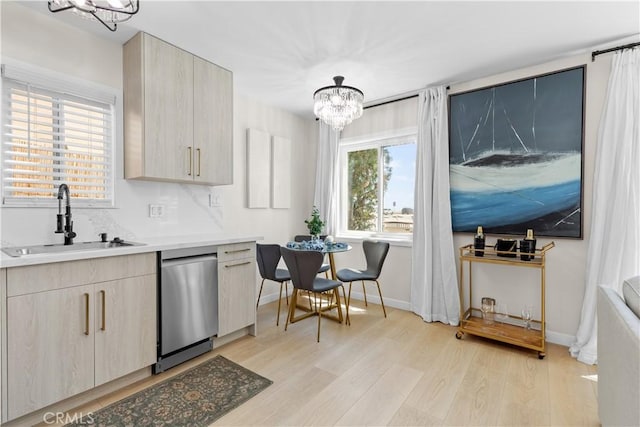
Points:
x=314, y=224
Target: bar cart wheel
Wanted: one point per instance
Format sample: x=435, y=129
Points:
x=459, y=335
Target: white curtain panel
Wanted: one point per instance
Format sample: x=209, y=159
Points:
x=434, y=282
x=614, y=246
x=325, y=196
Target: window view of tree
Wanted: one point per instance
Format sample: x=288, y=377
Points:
x=379, y=187
x=363, y=187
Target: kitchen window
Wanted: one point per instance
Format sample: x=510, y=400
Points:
x=376, y=186
x=55, y=132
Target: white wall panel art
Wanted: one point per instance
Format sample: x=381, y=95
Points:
x=280, y=173
x=258, y=168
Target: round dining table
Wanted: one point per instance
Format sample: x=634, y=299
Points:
x=328, y=248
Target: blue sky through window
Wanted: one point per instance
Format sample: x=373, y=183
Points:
x=399, y=192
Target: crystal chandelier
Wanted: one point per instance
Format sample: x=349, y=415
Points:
x=108, y=12
x=338, y=105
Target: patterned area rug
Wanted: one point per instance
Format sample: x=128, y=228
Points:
x=196, y=397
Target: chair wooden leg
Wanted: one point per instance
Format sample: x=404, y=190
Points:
x=336, y=292
x=279, y=302
x=381, y=300
x=286, y=291
x=259, y=293
x=292, y=307
x=319, y=317
x=364, y=291
x=346, y=302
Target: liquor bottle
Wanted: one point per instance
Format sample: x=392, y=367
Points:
x=528, y=246
x=478, y=241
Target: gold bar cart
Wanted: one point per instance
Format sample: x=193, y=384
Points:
x=510, y=331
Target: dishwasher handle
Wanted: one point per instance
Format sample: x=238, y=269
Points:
x=188, y=260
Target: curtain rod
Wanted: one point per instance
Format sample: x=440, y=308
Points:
x=613, y=49
x=395, y=100
x=390, y=101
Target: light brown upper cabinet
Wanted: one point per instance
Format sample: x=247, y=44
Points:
x=178, y=115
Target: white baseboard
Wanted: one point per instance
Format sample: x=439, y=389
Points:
x=560, y=338
x=266, y=299
x=374, y=298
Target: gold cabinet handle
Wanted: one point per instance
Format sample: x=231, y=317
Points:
x=237, y=265
x=104, y=310
x=198, y=152
x=86, y=314
x=190, y=160
x=237, y=250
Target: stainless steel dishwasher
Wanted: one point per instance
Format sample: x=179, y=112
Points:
x=188, y=304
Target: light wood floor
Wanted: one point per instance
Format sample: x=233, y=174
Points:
x=398, y=371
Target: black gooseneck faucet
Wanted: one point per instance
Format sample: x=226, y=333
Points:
x=68, y=224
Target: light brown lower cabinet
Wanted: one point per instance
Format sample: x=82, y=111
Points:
x=66, y=340
x=125, y=336
x=236, y=287
x=50, y=351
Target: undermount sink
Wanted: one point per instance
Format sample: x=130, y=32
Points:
x=57, y=248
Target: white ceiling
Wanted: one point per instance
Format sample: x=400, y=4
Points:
x=281, y=52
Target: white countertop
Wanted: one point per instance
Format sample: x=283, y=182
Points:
x=151, y=244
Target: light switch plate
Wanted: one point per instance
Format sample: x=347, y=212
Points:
x=156, y=211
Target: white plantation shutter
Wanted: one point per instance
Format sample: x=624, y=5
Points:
x=50, y=137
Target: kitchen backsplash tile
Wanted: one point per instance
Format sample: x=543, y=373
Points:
x=186, y=212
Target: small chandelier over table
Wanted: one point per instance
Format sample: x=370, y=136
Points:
x=338, y=105
x=108, y=12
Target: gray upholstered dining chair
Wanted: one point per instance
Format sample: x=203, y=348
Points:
x=325, y=267
x=303, y=266
x=375, y=253
x=268, y=257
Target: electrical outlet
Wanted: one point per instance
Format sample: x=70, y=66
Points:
x=156, y=211
x=214, y=200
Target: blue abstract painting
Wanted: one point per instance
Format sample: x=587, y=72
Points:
x=515, y=156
